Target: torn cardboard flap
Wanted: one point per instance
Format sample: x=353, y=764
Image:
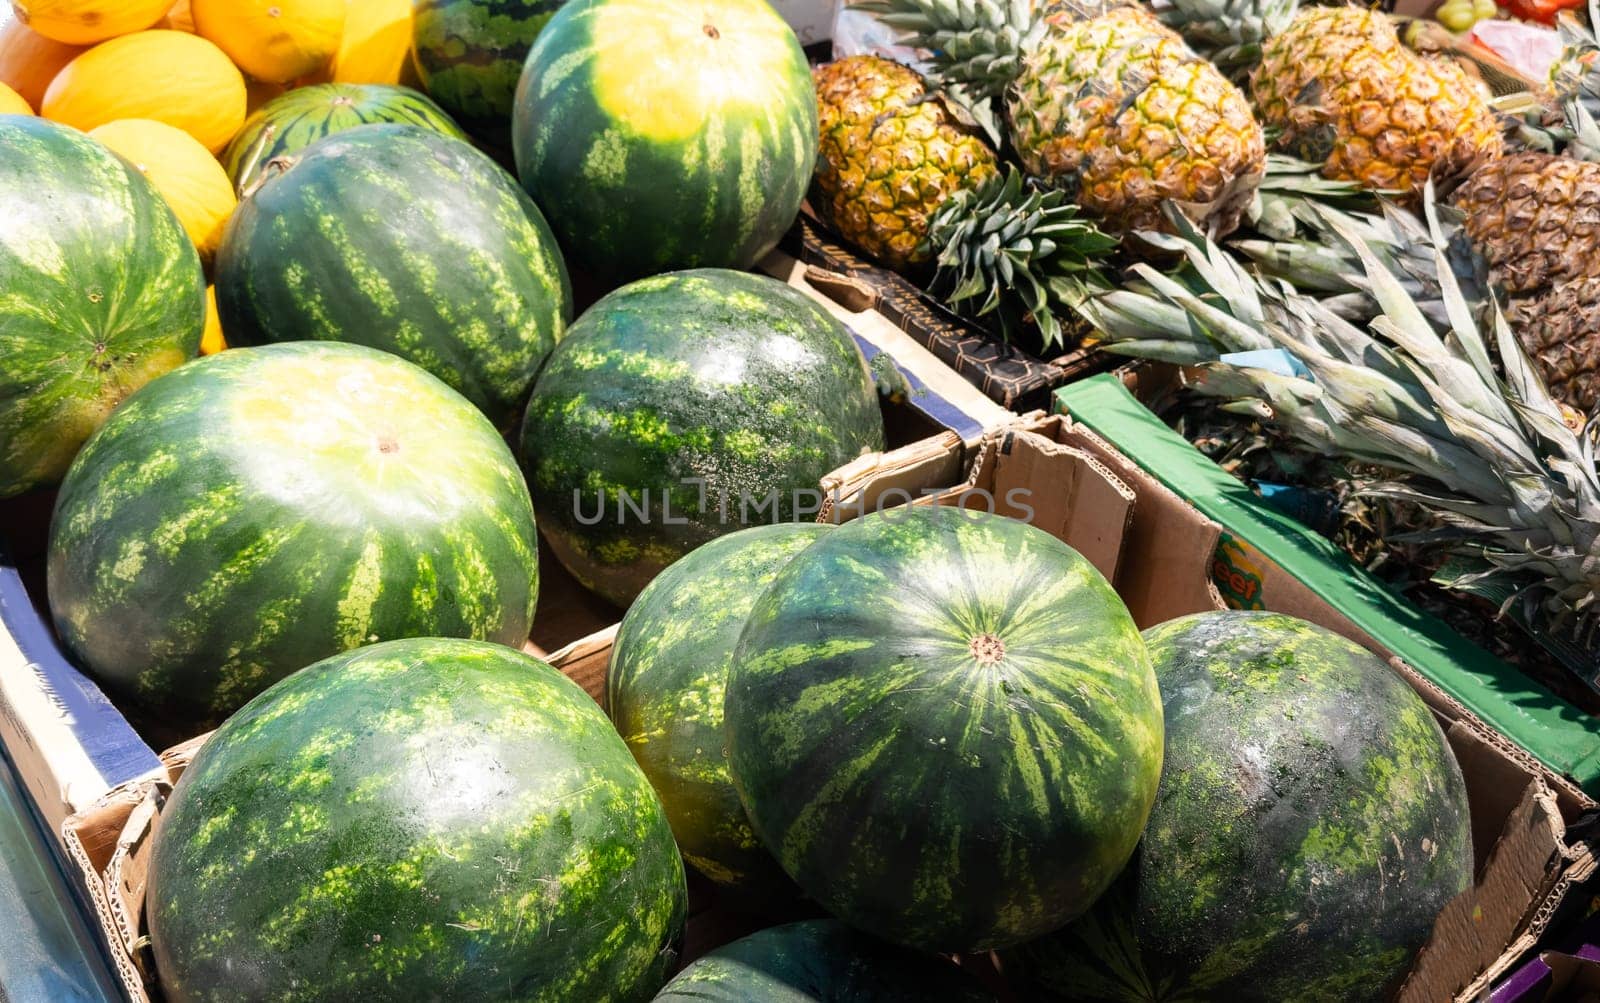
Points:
x=1058, y=488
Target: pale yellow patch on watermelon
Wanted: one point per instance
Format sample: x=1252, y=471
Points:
x=666, y=70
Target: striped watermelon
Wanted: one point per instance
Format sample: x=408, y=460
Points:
x=252, y=512
x=945, y=727
x=421, y=820
x=682, y=407
x=659, y=136
x=100, y=291
x=664, y=687
x=1311, y=823
x=469, y=54
x=288, y=124
x=399, y=238
x=820, y=961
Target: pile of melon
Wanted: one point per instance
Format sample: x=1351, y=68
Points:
x=201, y=69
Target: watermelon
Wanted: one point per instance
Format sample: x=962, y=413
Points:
x=288, y=124
x=945, y=727
x=660, y=136
x=682, y=407
x=252, y=512
x=1311, y=823
x=100, y=292
x=396, y=237
x=469, y=55
x=664, y=687
x=821, y=961
x=427, y=819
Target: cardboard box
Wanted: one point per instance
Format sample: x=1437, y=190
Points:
x=1265, y=559
x=1531, y=850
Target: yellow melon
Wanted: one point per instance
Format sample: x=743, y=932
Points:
x=376, y=42
x=183, y=171
x=85, y=22
x=212, y=341
x=273, y=40
x=182, y=80
x=28, y=60
x=11, y=102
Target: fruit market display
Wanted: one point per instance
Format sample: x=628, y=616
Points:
x=713, y=103
x=664, y=691
x=1310, y=824
x=322, y=320
x=946, y=729
x=288, y=124
x=468, y=283
x=422, y=819
x=682, y=407
x=251, y=513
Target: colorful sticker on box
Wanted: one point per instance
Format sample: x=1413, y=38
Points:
x=1236, y=570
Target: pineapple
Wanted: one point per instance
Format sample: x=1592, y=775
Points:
x=890, y=155
x=1347, y=93
x=1454, y=412
x=1103, y=102
x=1535, y=217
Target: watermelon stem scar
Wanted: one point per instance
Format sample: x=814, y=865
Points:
x=988, y=649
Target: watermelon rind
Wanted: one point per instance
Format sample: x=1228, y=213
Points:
x=1311, y=824
x=289, y=123
x=821, y=961
x=664, y=690
x=426, y=819
x=666, y=136
x=257, y=510
x=469, y=55
x=684, y=407
x=101, y=291
x=945, y=727
x=408, y=241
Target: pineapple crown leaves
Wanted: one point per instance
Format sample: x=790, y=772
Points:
x=977, y=45
x=1017, y=252
x=1229, y=33
x=1485, y=450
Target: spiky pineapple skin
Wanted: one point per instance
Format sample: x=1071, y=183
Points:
x=1346, y=91
x=890, y=155
x=1535, y=218
x=1115, y=107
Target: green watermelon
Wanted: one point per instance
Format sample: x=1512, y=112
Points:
x=426, y=819
x=252, y=512
x=682, y=407
x=1311, y=823
x=399, y=238
x=664, y=686
x=658, y=136
x=821, y=961
x=469, y=54
x=100, y=292
x=288, y=124
x=945, y=727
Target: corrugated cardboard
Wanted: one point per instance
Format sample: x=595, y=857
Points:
x=1266, y=560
